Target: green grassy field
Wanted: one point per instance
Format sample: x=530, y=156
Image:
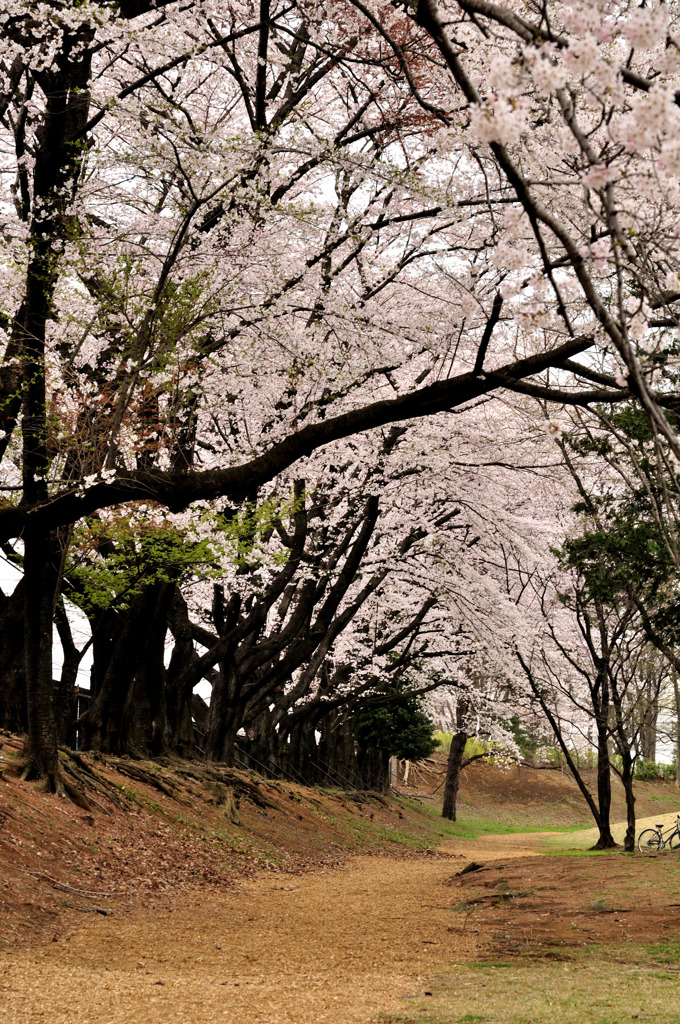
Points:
x=591, y=987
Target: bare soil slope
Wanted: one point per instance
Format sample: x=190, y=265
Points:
x=159, y=834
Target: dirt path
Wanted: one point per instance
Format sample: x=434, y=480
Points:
x=339, y=947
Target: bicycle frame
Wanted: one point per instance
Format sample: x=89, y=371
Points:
x=672, y=831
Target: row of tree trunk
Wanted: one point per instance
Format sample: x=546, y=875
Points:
x=279, y=702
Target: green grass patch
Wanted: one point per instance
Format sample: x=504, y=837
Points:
x=470, y=828
x=667, y=952
x=473, y=824
x=589, y=986
x=601, y=904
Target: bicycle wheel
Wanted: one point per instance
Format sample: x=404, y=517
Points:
x=674, y=841
x=649, y=841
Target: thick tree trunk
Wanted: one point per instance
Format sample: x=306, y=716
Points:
x=106, y=626
x=145, y=716
x=145, y=713
x=263, y=746
x=13, y=710
x=42, y=759
x=179, y=696
x=373, y=766
x=453, y=766
x=299, y=751
x=39, y=579
x=57, y=166
x=336, y=757
x=224, y=718
x=106, y=723
x=627, y=780
x=604, y=790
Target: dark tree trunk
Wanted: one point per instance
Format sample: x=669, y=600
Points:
x=106, y=626
x=453, y=767
x=373, y=766
x=106, y=723
x=454, y=762
x=39, y=580
x=625, y=749
x=298, y=750
x=347, y=750
x=179, y=694
x=58, y=156
x=13, y=710
x=145, y=713
x=65, y=690
x=224, y=718
x=604, y=775
x=627, y=780
x=263, y=745
x=337, y=759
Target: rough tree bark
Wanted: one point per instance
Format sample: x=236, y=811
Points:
x=42, y=759
x=13, y=712
x=179, y=695
x=604, y=776
x=57, y=167
x=105, y=724
x=145, y=713
x=455, y=761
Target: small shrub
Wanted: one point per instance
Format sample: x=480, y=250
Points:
x=654, y=771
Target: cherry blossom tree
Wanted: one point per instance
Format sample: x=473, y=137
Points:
x=238, y=235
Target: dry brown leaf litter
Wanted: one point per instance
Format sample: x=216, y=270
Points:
x=338, y=947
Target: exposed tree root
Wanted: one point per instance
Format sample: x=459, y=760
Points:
x=87, y=780
x=600, y=845
x=143, y=773
x=51, y=780
x=367, y=796
x=242, y=784
x=79, y=781
x=225, y=797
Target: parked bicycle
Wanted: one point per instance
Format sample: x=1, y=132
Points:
x=651, y=840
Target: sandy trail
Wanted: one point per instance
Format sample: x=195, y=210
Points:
x=338, y=946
